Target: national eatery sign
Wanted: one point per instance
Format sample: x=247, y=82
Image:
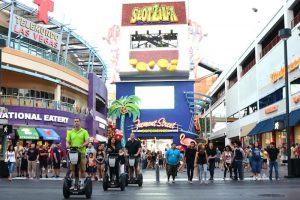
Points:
x=36, y=32
x=154, y=13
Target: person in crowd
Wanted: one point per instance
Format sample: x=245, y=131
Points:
x=265, y=162
x=100, y=156
x=172, y=158
x=181, y=162
x=189, y=158
x=293, y=151
x=256, y=156
x=153, y=158
x=273, y=154
x=92, y=165
x=164, y=158
x=56, y=160
x=248, y=159
x=149, y=157
x=227, y=158
x=238, y=157
x=11, y=157
x=201, y=161
x=19, y=154
x=160, y=159
x=297, y=151
x=32, y=157
x=61, y=151
x=90, y=149
x=50, y=159
x=24, y=162
x=212, y=154
x=144, y=159
x=218, y=157
x=134, y=147
x=43, y=161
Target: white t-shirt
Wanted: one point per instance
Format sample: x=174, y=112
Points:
x=90, y=150
x=11, y=157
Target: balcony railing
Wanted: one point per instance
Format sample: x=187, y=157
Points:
x=42, y=53
x=248, y=67
x=296, y=20
x=269, y=46
x=9, y=100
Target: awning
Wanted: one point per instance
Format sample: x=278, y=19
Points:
x=27, y=133
x=266, y=125
x=246, y=129
x=101, y=138
x=48, y=134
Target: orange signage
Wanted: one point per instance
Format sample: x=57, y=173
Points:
x=271, y=109
x=296, y=99
x=275, y=76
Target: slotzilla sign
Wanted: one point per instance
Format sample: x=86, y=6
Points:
x=34, y=116
x=35, y=32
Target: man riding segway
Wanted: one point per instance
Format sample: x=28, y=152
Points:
x=133, y=152
x=77, y=140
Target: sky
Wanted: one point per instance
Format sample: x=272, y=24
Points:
x=230, y=25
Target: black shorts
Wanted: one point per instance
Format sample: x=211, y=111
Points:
x=43, y=163
x=56, y=165
x=265, y=160
x=91, y=169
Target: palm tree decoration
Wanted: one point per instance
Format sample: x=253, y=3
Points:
x=123, y=106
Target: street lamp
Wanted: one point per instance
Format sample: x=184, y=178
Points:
x=284, y=34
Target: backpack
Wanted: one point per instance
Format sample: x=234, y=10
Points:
x=238, y=154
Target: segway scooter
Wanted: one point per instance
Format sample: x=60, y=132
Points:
x=112, y=180
x=134, y=180
x=73, y=186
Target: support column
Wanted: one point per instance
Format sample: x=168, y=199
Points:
x=258, y=50
x=57, y=93
x=67, y=48
x=58, y=53
x=12, y=8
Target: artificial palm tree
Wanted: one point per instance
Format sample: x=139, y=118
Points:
x=123, y=106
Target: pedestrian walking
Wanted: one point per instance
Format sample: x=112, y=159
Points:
x=256, y=161
x=24, y=162
x=32, y=157
x=218, y=157
x=201, y=161
x=100, y=156
x=238, y=157
x=212, y=154
x=265, y=162
x=56, y=161
x=189, y=157
x=227, y=158
x=273, y=154
x=19, y=153
x=172, y=158
x=43, y=160
x=10, y=158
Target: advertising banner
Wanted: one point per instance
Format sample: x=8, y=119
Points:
x=35, y=32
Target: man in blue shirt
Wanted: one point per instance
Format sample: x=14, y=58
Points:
x=172, y=158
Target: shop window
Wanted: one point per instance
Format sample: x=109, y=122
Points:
x=248, y=110
x=100, y=105
x=32, y=93
x=15, y=91
x=38, y=94
x=4, y=91
x=271, y=98
x=9, y=91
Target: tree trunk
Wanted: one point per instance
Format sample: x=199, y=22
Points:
x=123, y=141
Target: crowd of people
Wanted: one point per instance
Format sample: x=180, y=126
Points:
x=31, y=161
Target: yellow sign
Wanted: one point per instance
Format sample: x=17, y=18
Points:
x=154, y=14
x=271, y=109
x=275, y=76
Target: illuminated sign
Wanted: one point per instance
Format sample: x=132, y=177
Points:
x=271, y=109
x=34, y=116
x=45, y=6
x=275, y=76
x=156, y=126
x=153, y=14
x=35, y=32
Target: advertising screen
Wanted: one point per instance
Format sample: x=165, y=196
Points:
x=156, y=97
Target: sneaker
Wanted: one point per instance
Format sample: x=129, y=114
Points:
x=190, y=182
x=46, y=176
x=211, y=179
x=277, y=179
x=173, y=181
x=41, y=176
x=258, y=178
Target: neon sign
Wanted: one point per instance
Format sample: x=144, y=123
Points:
x=153, y=14
x=161, y=123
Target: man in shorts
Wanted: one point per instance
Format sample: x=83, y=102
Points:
x=78, y=137
x=134, y=147
x=43, y=159
x=56, y=160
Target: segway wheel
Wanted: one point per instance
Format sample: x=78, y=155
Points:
x=105, y=183
x=122, y=182
x=140, y=180
x=126, y=179
x=88, y=188
x=66, y=191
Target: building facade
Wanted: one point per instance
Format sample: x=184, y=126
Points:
x=250, y=96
